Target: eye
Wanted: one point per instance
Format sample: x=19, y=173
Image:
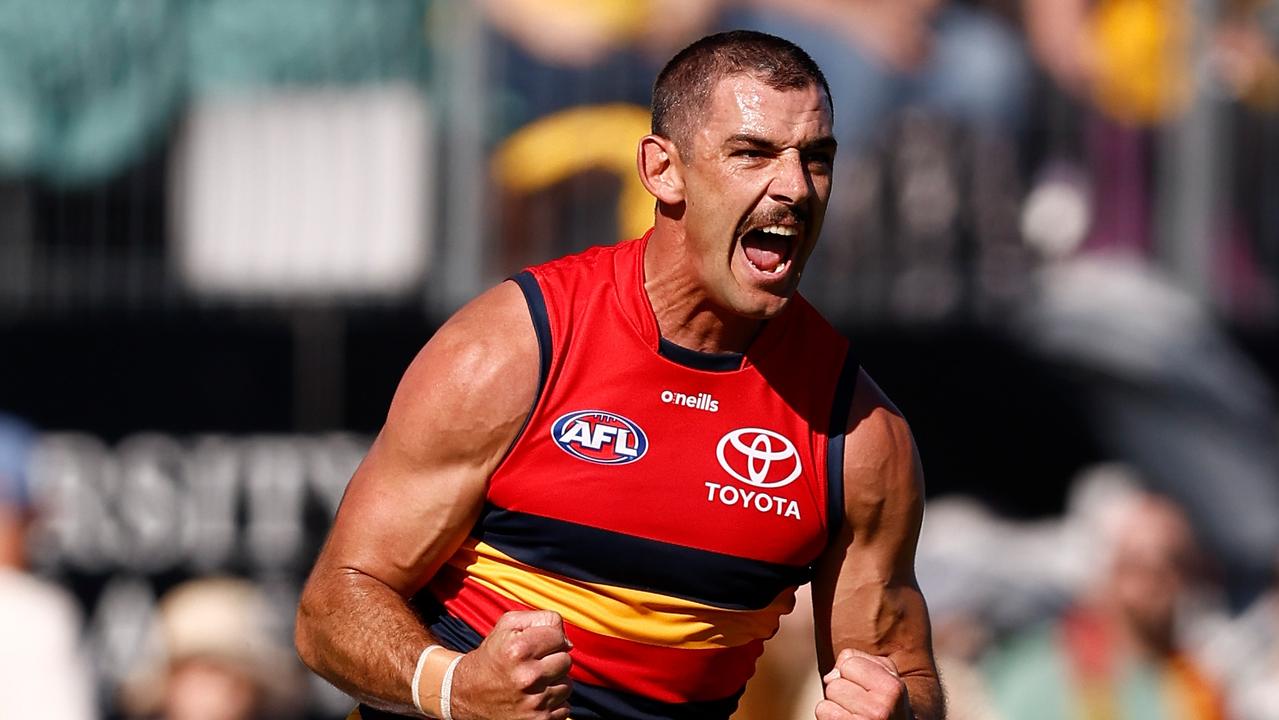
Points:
x=821, y=160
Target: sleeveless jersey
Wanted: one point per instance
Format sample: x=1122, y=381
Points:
x=665, y=502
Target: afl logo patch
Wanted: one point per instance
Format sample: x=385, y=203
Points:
x=599, y=437
x=759, y=457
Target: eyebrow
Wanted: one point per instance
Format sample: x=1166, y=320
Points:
x=826, y=142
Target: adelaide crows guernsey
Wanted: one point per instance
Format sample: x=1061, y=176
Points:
x=665, y=502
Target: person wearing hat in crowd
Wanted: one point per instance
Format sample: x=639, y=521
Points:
x=219, y=657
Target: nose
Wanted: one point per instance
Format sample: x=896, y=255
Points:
x=791, y=184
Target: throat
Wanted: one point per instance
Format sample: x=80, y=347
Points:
x=684, y=313
x=709, y=330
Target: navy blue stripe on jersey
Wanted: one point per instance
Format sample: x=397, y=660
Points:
x=841, y=406
x=541, y=325
x=542, y=329
x=714, y=362
x=600, y=556
x=592, y=702
x=589, y=702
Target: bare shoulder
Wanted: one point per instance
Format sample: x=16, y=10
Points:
x=421, y=486
x=475, y=378
x=880, y=457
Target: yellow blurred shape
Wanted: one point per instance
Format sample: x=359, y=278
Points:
x=616, y=18
x=554, y=148
x=1143, y=73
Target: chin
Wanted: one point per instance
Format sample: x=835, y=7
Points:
x=762, y=308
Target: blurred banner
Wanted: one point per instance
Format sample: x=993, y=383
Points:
x=120, y=525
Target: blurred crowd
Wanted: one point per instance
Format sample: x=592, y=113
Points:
x=1094, y=178
x=1113, y=610
x=980, y=139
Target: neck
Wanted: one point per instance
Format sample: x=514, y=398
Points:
x=1135, y=637
x=686, y=314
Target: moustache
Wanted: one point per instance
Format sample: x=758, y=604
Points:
x=774, y=216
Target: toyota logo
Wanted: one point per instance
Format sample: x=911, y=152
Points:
x=755, y=451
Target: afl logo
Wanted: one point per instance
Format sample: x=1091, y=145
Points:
x=759, y=457
x=599, y=437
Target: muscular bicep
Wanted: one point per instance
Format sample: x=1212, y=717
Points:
x=865, y=594
x=458, y=408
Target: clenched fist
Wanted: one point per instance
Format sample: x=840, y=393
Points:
x=519, y=672
x=863, y=687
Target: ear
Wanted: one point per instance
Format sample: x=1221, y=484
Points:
x=661, y=169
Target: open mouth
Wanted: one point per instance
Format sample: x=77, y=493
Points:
x=769, y=249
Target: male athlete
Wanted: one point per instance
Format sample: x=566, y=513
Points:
x=600, y=483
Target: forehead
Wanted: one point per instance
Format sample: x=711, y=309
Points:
x=1156, y=531
x=741, y=104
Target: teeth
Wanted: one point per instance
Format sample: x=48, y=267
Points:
x=782, y=230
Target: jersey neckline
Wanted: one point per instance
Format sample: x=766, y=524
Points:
x=638, y=307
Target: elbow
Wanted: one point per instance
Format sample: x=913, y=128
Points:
x=305, y=635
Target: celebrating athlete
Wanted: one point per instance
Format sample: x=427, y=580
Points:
x=600, y=483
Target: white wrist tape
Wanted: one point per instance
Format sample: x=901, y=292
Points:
x=446, y=690
x=417, y=674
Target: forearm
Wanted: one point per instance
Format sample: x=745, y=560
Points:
x=361, y=635
x=926, y=699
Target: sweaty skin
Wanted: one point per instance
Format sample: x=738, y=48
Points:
x=867, y=606
x=407, y=509
x=758, y=156
x=761, y=158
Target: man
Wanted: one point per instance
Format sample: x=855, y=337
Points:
x=599, y=484
x=1116, y=653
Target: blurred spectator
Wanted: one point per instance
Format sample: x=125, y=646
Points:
x=220, y=657
x=580, y=33
x=1143, y=154
x=571, y=85
x=960, y=639
x=1133, y=58
x=1134, y=209
x=1117, y=653
x=42, y=671
x=1253, y=686
x=950, y=58
x=1243, y=50
x=1169, y=392
x=1130, y=57
x=930, y=98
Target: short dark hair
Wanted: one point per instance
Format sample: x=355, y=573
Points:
x=684, y=86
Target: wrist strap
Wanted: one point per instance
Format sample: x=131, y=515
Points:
x=417, y=675
x=446, y=690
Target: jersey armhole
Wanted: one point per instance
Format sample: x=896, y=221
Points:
x=841, y=406
x=542, y=329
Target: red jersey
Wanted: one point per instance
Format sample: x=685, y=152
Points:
x=665, y=502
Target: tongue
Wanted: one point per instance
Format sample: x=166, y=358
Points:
x=765, y=251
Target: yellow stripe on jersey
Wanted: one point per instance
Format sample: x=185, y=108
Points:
x=624, y=613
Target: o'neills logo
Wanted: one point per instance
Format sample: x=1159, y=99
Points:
x=700, y=401
x=599, y=437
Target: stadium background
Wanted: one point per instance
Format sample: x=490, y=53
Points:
x=226, y=226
